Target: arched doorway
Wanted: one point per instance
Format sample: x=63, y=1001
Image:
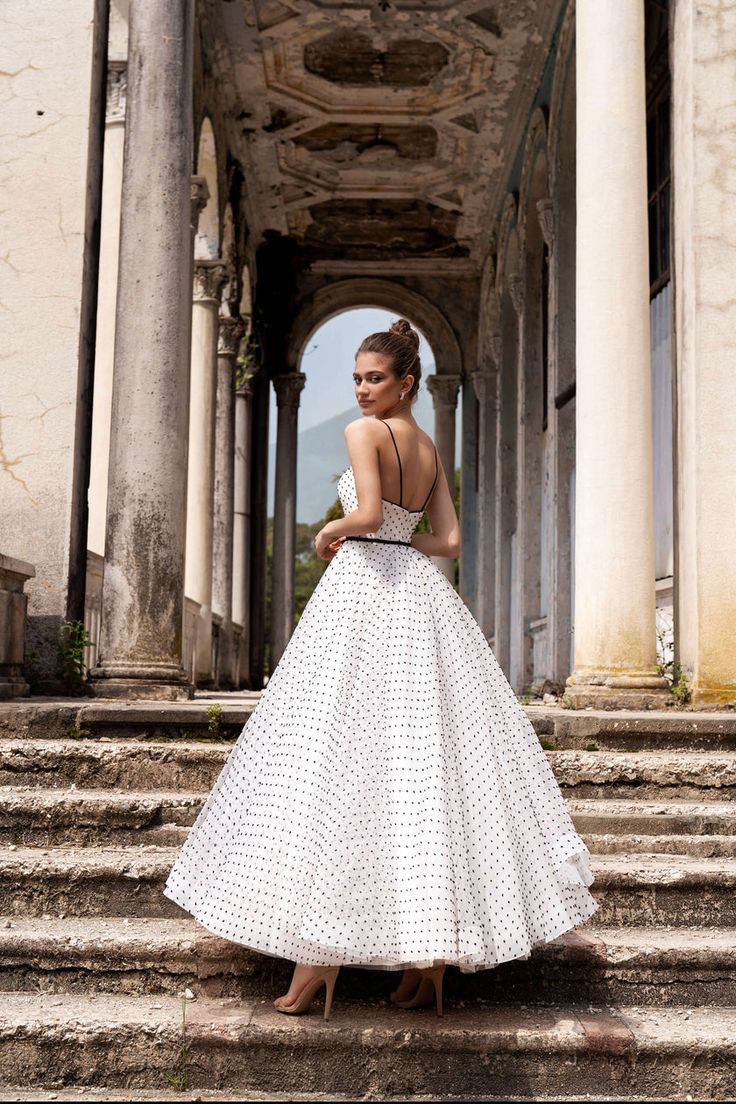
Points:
x=322, y=311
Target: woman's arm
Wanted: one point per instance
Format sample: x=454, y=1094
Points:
x=444, y=540
x=361, y=439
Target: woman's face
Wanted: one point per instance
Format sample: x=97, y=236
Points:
x=376, y=387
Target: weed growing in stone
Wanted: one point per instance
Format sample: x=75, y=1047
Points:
x=681, y=689
x=73, y=639
x=178, y=1077
x=214, y=717
x=74, y=732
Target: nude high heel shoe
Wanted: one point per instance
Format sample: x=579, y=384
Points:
x=407, y=986
x=302, y=1002
x=431, y=978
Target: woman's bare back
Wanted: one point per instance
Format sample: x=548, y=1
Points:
x=408, y=465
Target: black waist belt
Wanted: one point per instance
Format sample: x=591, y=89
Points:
x=380, y=540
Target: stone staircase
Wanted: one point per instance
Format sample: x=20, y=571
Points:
x=105, y=982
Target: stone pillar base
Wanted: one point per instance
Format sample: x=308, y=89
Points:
x=713, y=698
x=159, y=683
x=13, y=687
x=617, y=689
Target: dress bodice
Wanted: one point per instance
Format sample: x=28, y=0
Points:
x=398, y=522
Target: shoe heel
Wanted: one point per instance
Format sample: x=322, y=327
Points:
x=330, y=980
x=437, y=977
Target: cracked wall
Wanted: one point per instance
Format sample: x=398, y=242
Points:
x=45, y=98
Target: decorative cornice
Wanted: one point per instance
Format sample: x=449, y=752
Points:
x=288, y=386
x=199, y=195
x=229, y=336
x=444, y=390
x=546, y=216
x=117, y=91
x=209, y=278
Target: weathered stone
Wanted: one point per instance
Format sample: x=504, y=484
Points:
x=13, y=606
x=134, y=1042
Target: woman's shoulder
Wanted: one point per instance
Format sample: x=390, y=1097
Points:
x=363, y=429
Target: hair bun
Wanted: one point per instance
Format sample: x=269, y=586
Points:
x=405, y=329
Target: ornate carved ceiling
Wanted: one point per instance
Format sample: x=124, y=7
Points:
x=377, y=129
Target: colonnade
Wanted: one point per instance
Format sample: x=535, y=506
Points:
x=165, y=510
x=522, y=480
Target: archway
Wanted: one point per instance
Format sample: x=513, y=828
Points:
x=327, y=404
x=319, y=308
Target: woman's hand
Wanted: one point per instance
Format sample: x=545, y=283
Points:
x=325, y=547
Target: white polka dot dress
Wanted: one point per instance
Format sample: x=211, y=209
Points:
x=388, y=803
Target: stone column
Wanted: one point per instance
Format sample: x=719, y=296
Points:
x=444, y=390
x=485, y=386
x=141, y=643
x=258, y=524
x=615, y=639
x=241, y=521
x=112, y=188
x=288, y=387
x=704, y=138
x=230, y=333
x=209, y=277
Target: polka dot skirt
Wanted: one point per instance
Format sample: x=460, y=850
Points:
x=388, y=803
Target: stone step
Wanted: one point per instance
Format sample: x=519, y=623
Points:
x=129, y=765
x=610, y=815
x=48, y=816
x=632, y=889
x=38, y=816
x=634, y=730
x=602, y=729
x=379, y=1050
x=192, y=766
x=646, y=775
x=72, y=718
x=646, y=966
x=678, y=844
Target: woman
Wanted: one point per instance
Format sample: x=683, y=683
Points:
x=388, y=804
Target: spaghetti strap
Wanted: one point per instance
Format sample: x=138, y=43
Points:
x=401, y=474
x=436, y=473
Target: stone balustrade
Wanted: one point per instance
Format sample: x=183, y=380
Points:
x=13, y=604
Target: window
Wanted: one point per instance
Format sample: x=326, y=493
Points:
x=659, y=169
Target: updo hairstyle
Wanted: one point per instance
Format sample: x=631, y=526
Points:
x=400, y=342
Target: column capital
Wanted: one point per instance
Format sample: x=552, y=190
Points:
x=546, y=217
x=288, y=386
x=199, y=193
x=444, y=389
x=209, y=278
x=229, y=334
x=515, y=284
x=117, y=91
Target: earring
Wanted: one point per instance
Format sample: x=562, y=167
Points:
x=401, y=395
